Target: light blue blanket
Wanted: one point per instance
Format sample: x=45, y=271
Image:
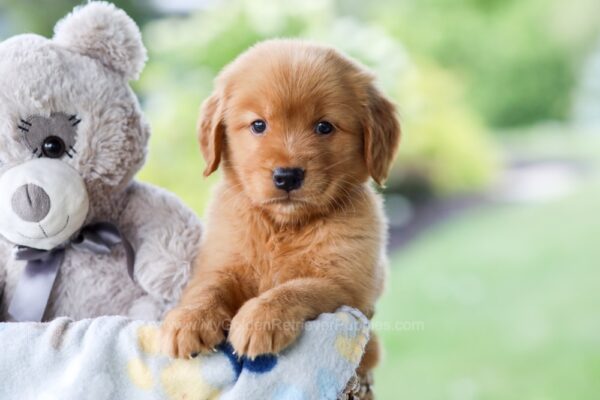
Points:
x=115, y=358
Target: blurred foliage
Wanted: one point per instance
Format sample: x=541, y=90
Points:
x=40, y=16
x=519, y=58
x=446, y=149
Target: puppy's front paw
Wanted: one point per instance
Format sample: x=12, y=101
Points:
x=189, y=330
x=262, y=328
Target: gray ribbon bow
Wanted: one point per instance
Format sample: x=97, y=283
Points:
x=35, y=284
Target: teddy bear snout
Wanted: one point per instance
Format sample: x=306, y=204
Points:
x=43, y=202
x=31, y=203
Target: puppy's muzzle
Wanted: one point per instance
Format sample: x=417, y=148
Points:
x=288, y=179
x=43, y=202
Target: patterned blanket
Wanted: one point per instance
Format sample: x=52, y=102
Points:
x=116, y=358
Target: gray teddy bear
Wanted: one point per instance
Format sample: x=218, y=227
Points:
x=80, y=238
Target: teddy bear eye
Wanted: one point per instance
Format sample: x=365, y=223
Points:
x=53, y=147
x=51, y=137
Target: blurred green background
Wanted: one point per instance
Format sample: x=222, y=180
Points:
x=494, y=198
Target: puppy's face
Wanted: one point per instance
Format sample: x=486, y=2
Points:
x=297, y=126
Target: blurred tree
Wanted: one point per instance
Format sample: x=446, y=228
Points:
x=519, y=58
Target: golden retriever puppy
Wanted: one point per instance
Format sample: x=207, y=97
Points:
x=294, y=228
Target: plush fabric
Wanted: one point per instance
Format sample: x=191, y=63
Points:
x=75, y=87
x=117, y=358
x=105, y=33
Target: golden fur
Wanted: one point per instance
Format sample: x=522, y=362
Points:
x=270, y=261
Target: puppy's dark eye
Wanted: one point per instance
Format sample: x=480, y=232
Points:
x=259, y=127
x=53, y=147
x=324, y=128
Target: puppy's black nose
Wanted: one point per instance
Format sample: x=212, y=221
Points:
x=288, y=179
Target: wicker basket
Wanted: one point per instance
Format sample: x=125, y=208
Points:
x=359, y=388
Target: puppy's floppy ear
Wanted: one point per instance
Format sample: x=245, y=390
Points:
x=211, y=132
x=381, y=135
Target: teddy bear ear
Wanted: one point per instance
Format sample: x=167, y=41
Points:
x=104, y=32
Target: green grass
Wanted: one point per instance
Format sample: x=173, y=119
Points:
x=506, y=304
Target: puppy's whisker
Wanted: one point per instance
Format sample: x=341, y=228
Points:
x=231, y=192
x=232, y=195
x=347, y=198
x=331, y=166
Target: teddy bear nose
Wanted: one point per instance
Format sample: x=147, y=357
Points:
x=31, y=203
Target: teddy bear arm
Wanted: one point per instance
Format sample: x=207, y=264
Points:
x=165, y=235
